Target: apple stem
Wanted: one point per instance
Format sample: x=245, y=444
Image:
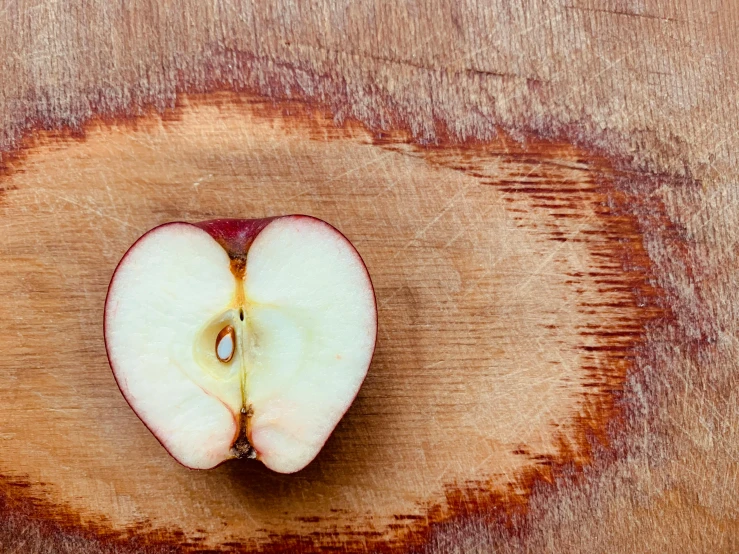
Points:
x=241, y=447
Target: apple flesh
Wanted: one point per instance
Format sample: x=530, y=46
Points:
x=241, y=338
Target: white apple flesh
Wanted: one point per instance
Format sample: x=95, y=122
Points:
x=241, y=338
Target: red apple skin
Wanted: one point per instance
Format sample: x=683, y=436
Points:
x=235, y=236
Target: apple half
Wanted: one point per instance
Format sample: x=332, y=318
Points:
x=241, y=338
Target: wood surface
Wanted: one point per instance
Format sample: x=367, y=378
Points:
x=545, y=196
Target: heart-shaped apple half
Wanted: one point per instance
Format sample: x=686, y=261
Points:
x=241, y=338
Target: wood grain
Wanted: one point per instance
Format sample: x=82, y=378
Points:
x=503, y=168
x=508, y=318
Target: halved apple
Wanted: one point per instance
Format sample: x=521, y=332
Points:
x=241, y=338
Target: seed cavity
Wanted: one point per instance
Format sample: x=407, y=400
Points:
x=226, y=344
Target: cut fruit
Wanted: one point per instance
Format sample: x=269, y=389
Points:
x=241, y=338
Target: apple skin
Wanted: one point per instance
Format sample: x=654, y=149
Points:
x=235, y=236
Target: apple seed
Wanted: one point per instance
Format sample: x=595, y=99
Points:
x=226, y=344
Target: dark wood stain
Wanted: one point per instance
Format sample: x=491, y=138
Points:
x=618, y=199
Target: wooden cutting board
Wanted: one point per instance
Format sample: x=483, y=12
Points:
x=512, y=291
x=552, y=263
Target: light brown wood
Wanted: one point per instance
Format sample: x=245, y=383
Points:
x=587, y=360
x=494, y=303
